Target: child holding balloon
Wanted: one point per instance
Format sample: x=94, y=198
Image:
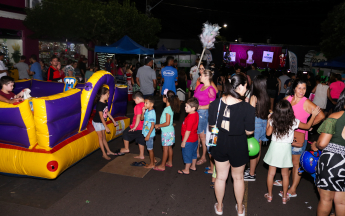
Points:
x=281, y=125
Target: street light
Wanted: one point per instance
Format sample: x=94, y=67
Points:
x=225, y=25
x=236, y=40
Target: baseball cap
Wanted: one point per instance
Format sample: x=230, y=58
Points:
x=148, y=59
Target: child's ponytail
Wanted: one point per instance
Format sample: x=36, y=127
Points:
x=174, y=101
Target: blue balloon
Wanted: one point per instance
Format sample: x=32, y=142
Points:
x=308, y=161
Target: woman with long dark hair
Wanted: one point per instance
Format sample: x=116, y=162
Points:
x=302, y=108
x=330, y=179
x=260, y=101
x=235, y=119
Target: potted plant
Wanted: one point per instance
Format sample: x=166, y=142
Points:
x=16, y=54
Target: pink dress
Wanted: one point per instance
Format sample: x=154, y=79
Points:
x=300, y=114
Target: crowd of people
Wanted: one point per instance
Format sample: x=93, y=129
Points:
x=225, y=106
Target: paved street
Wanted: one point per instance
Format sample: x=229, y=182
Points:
x=83, y=190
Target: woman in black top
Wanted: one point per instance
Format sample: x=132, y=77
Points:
x=236, y=120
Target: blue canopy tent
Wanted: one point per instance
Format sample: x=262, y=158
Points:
x=338, y=62
x=125, y=46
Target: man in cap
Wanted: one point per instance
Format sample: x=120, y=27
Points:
x=146, y=78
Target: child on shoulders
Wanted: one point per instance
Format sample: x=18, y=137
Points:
x=189, y=134
x=149, y=118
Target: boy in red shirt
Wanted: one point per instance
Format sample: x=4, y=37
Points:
x=189, y=136
x=134, y=131
x=6, y=94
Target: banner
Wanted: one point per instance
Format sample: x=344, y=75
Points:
x=293, y=62
x=232, y=56
x=186, y=60
x=267, y=57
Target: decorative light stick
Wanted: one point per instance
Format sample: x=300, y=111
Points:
x=208, y=37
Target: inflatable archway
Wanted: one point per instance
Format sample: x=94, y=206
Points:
x=57, y=133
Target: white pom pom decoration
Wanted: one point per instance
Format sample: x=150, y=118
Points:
x=208, y=35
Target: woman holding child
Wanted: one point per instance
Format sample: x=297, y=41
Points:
x=235, y=119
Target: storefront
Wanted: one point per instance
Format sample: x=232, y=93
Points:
x=63, y=50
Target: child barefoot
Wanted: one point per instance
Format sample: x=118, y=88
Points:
x=168, y=131
x=189, y=134
x=149, y=118
x=134, y=131
x=99, y=121
x=281, y=124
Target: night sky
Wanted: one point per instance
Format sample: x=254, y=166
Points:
x=295, y=22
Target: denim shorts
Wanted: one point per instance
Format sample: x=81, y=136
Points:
x=98, y=126
x=203, y=121
x=189, y=152
x=149, y=144
x=299, y=151
x=260, y=129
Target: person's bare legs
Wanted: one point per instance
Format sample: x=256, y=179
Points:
x=210, y=171
x=170, y=156
x=204, y=148
x=296, y=178
x=270, y=176
x=164, y=158
x=326, y=201
x=193, y=165
x=285, y=175
x=272, y=103
x=339, y=202
x=254, y=162
x=141, y=152
x=100, y=141
x=126, y=148
x=152, y=160
x=237, y=175
x=222, y=169
x=105, y=143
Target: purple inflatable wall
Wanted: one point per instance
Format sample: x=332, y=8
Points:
x=11, y=121
x=63, y=118
x=18, y=86
x=119, y=107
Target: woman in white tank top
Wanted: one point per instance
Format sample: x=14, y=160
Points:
x=320, y=92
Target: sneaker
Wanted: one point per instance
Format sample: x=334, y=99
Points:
x=249, y=177
x=247, y=171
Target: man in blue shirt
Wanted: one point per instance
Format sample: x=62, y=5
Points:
x=35, y=70
x=169, y=75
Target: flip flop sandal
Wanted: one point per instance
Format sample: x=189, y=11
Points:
x=290, y=195
x=207, y=168
x=182, y=173
x=269, y=198
x=206, y=172
x=212, y=185
x=118, y=153
x=200, y=162
x=158, y=169
x=193, y=170
x=142, y=163
x=285, y=200
x=278, y=183
x=168, y=165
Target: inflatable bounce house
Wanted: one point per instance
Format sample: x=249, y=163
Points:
x=46, y=134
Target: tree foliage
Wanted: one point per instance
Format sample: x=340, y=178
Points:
x=333, y=28
x=91, y=21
